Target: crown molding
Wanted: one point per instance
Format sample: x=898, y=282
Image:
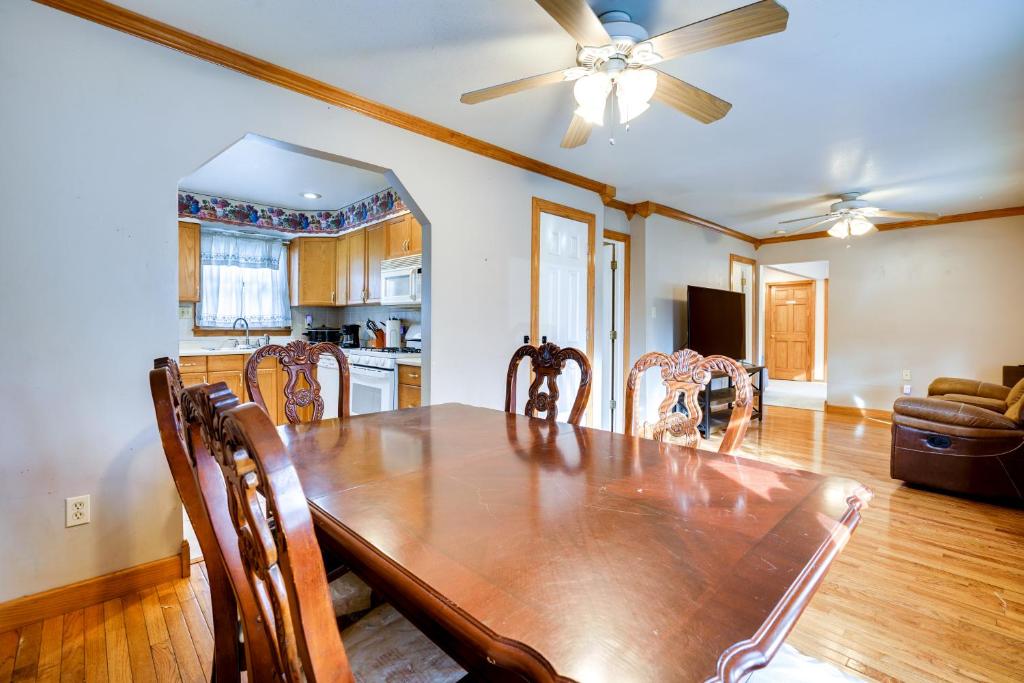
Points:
x=903, y=225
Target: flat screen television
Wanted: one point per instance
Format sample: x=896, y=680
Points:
x=715, y=320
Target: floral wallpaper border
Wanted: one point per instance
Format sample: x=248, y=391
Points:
x=372, y=209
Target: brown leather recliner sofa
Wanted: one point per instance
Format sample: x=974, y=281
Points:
x=966, y=437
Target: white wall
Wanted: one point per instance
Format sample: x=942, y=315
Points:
x=818, y=274
x=937, y=301
x=105, y=126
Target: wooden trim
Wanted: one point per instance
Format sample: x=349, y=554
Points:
x=669, y=212
x=824, y=341
x=626, y=256
x=755, y=337
x=902, y=225
x=31, y=608
x=871, y=413
x=544, y=206
x=141, y=26
x=624, y=207
x=768, y=321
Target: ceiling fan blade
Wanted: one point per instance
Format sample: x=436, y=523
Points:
x=689, y=99
x=578, y=20
x=578, y=132
x=909, y=215
x=484, y=94
x=811, y=226
x=759, y=19
x=806, y=218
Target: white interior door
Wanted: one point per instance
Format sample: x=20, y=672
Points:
x=562, y=302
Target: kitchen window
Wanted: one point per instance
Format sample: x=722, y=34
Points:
x=242, y=277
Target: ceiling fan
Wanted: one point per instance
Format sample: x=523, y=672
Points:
x=851, y=215
x=615, y=53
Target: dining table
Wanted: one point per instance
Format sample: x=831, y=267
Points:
x=536, y=550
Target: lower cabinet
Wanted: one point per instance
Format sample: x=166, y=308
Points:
x=230, y=369
x=409, y=386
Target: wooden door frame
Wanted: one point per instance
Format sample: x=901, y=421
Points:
x=544, y=206
x=813, y=332
x=623, y=237
x=755, y=337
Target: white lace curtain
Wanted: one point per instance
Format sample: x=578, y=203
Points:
x=242, y=277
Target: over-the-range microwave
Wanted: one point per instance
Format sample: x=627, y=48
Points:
x=401, y=280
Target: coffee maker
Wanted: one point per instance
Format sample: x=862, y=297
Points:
x=350, y=336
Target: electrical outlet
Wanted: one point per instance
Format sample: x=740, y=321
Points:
x=906, y=390
x=906, y=375
x=76, y=511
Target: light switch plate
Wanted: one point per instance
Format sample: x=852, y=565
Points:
x=906, y=375
x=906, y=390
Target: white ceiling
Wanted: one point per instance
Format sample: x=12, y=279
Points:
x=264, y=171
x=919, y=101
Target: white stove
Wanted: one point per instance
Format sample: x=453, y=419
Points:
x=373, y=378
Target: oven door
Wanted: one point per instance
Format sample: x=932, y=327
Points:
x=399, y=286
x=372, y=389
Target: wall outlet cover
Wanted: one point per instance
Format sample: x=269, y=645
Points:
x=76, y=511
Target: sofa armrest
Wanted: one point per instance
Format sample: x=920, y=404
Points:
x=968, y=387
x=949, y=413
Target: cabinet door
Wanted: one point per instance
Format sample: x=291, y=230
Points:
x=397, y=237
x=233, y=378
x=266, y=377
x=375, y=239
x=189, y=379
x=415, y=243
x=317, y=271
x=341, y=259
x=188, y=262
x=356, y=267
x=408, y=396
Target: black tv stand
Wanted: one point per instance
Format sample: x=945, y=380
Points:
x=716, y=404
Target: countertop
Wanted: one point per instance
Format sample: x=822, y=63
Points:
x=418, y=362
x=193, y=351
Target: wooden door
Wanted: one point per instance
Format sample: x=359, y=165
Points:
x=415, y=245
x=317, y=263
x=188, y=261
x=356, y=266
x=266, y=377
x=375, y=244
x=397, y=237
x=789, y=327
x=341, y=261
x=233, y=378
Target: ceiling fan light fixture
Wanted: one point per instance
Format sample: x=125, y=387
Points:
x=841, y=229
x=591, y=93
x=860, y=226
x=634, y=89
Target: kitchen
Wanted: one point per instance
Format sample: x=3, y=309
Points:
x=266, y=256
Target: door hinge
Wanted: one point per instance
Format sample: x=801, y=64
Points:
x=611, y=404
x=613, y=335
x=615, y=264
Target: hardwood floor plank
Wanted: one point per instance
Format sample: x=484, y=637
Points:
x=184, y=651
x=95, y=644
x=8, y=651
x=26, y=663
x=202, y=634
x=119, y=666
x=72, y=657
x=139, y=651
x=164, y=664
x=201, y=590
x=50, y=650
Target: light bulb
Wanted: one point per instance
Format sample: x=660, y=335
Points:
x=591, y=93
x=840, y=229
x=860, y=226
x=634, y=89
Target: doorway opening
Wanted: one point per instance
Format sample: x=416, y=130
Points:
x=795, y=332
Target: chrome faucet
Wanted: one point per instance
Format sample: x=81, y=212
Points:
x=246, y=322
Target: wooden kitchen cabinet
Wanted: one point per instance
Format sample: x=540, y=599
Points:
x=314, y=268
x=356, y=259
x=188, y=261
x=341, y=259
x=404, y=237
x=230, y=369
x=409, y=386
x=375, y=244
x=227, y=369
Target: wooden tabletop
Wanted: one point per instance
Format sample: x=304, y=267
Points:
x=567, y=553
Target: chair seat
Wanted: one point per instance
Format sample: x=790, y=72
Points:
x=385, y=646
x=349, y=594
x=790, y=666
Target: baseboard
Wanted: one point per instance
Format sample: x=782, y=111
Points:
x=32, y=608
x=876, y=413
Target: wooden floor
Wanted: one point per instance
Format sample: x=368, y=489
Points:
x=930, y=588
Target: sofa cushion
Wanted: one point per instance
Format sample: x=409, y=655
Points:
x=969, y=387
x=980, y=401
x=1016, y=393
x=1014, y=411
x=948, y=412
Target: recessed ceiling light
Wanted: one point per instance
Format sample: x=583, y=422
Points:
x=780, y=232
x=311, y=195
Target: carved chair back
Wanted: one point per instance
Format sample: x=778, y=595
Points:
x=273, y=530
x=298, y=359
x=166, y=387
x=547, y=362
x=685, y=373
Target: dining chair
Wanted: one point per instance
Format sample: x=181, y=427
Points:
x=281, y=566
x=298, y=358
x=686, y=373
x=166, y=387
x=547, y=361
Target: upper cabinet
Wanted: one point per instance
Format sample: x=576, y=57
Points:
x=355, y=256
x=188, y=262
x=376, y=236
x=403, y=237
x=314, y=270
